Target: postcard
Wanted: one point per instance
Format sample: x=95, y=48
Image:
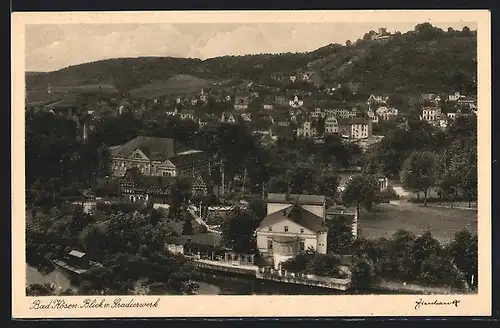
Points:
x=251, y=164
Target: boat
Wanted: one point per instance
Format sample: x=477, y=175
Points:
x=75, y=264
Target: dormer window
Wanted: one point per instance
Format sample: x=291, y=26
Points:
x=301, y=230
x=270, y=228
x=286, y=228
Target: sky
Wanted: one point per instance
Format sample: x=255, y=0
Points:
x=50, y=47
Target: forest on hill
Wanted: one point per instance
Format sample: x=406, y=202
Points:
x=426, y=59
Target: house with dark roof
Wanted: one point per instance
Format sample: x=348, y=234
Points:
x=293, y=223
x=241, y=100
x=136, y=187
x=355, y=128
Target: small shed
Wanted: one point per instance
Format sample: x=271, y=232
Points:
x=78, y=258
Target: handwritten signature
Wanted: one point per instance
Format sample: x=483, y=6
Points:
x=421, y=302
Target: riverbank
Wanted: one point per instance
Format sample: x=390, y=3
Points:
x=406, y=288
x=231, y=284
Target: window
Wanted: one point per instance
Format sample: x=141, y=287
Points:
x=301, y=230
x=302, y=246
x=286, y=228
x=270, y=244
x=270, y=228
x=137, y=155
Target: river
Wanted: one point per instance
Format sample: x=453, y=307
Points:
x=210, y=285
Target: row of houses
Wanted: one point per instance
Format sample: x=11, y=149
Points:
x=147, y=166
x=307, y=76
x=435, y=116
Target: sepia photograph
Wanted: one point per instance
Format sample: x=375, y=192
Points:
x=230, y=158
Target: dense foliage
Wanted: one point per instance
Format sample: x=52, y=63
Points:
x=238, y=230
x=130, y=246
x=416, y=259
x=309, y=262
x=427, y=158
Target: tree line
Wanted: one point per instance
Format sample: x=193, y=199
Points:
x=129, y=242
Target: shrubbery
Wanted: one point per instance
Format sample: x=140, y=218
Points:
x=416, y=259
x=130, y=245
x=325, y=265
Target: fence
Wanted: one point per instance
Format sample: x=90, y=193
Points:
x=303, y=279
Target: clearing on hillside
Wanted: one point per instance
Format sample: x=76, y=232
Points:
x=176, y=85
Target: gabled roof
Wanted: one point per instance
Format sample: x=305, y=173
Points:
x=354, y=120
x=148, y=181
x=291, y=199
x=188, y=157
x=154, y=148
x=296, y=214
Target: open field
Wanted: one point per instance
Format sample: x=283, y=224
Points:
x=442, y=222
x=177, y=85
x=64, y=91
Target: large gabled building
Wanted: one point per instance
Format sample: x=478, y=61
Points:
x=160, y=157
x=293, y=223
x=156, y=157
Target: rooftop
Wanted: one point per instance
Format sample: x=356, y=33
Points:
x=155, y=148
x=296, y=214
x=76, y=253
x=303, y=199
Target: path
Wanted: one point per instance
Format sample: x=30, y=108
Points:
x=201, y=222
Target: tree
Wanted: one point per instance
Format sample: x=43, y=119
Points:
x=303, y=178
x=363, y=274
x=154, y=216
x=258, y=207
x=422, y=247
x=328, y=184
x=40, y=290
x=419, y=172
x=325, y=265
x=464, y=166
x=300, y=262
x=89, y=239
x=187, y=228
x=369, y=35
x=361, y=190
x=180, y=192
x=463, y=249
x=238, y=230
x=340, y=237
x=465, y=31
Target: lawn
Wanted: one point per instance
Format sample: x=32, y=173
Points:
x=442, y=222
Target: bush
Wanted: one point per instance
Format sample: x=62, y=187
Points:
x=363, y=274
x=299, y=263
x=387, y=195
x=406, y=257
